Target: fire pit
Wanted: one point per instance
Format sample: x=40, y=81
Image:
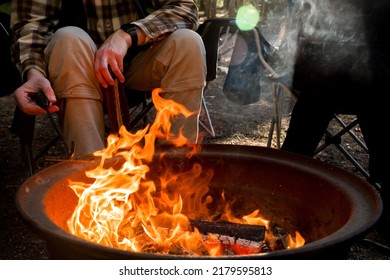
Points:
x=330, y=207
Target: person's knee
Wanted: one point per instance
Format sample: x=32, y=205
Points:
x=187, y=38
x=188, y=42
x=68, y=33
x=71, y=37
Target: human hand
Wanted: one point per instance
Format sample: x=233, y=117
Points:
x=110, y=57
x=24, y=95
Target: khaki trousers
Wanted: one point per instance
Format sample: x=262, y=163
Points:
x=177, y=64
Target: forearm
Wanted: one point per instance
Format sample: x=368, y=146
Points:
x=168, y=17
x=30, y=32
x=25, y=54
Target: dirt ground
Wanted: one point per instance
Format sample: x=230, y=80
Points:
x=233, y=124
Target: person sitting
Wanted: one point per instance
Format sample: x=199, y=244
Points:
x=338, y=77
x=69, y=56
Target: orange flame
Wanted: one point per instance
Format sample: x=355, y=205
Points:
x=298, y=242
x=125, y=209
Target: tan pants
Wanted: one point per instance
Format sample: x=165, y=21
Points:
x=176, y=64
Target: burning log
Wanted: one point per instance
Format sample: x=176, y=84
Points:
x=236, y=231
x=234, y=238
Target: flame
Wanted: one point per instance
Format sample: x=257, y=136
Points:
x=298, y=242
x=125, y=209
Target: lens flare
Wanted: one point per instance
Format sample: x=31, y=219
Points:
x=247, y=17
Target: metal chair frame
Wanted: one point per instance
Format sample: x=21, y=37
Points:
x=336, y=140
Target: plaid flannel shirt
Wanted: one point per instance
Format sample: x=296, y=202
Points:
x=34, y=21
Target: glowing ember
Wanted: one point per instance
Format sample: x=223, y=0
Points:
x=125, y=209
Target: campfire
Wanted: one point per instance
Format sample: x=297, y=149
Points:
x=135, y=200
x=172, y=214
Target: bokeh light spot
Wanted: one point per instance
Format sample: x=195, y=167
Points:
x=247, y=17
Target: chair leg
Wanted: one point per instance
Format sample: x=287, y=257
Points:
x=271, y=132
x=335, y=139
x=276, y=122
x=350, y=132
x=210, y=128
x=278, y=117
x=353, y=161
x=141, y=115
x=27, y=156
x=23, y=126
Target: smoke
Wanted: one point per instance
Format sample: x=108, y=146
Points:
x=327, y=20
x=330, y=33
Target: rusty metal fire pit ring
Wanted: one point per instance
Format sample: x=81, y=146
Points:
x=328, y=205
